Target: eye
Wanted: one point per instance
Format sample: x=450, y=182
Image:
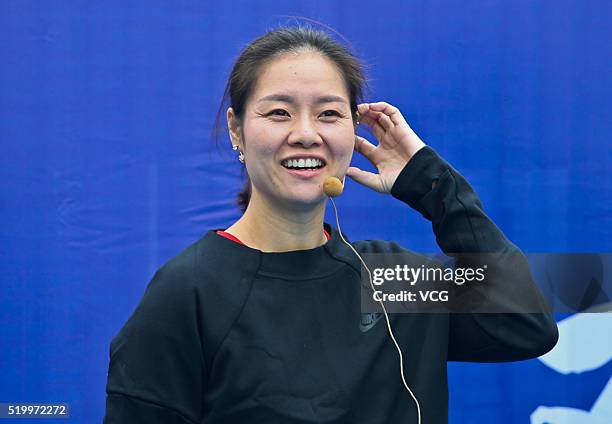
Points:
x=278, y=112
x=331, y=113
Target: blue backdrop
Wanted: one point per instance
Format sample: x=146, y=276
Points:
x=108, y=168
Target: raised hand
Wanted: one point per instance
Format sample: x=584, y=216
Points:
x=397, y=143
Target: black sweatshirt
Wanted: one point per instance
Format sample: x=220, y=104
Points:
x=229, y=334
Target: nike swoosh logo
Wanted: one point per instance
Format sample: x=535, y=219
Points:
x=369, y=320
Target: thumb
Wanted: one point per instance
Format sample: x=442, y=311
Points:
x=368, y=179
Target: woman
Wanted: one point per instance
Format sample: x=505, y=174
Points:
x=261, y=322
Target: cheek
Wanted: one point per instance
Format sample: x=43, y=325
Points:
x=343, y=144
x=262, y=141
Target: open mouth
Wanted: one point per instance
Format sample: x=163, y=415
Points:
x=303, y=163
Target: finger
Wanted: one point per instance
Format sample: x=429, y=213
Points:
x=363, y=108
x=391, y=111
x=382, y=119
x=377, y=129
x=370, y=122
x=363, y=146
x=384, y=122
x=365, y=178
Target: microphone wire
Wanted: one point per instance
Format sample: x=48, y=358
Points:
x=399, y=350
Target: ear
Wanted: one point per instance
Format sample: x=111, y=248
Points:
x=234, y=128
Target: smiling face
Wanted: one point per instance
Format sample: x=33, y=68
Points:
x=297, y=129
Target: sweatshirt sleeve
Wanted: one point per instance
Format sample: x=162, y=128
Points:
x=156, y=372
x=436, y=190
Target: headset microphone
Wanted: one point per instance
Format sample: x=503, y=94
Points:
x=332, y=186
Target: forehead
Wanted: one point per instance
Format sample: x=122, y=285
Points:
x=306, y=74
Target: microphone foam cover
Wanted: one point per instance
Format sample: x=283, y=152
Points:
x=332, y=186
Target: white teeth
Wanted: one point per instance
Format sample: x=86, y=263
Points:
x=303, y=163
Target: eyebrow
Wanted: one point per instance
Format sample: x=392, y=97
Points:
x=289, y=99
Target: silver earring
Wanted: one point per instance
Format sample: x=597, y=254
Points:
x=240, y=154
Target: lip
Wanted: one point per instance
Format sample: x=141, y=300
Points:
x=305, y=174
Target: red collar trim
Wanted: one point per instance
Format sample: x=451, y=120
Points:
x=229, y=236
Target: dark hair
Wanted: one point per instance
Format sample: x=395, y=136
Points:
x=267, y=47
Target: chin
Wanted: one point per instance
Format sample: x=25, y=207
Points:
x=305, y=199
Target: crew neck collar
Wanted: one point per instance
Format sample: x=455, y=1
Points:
x=293, y=265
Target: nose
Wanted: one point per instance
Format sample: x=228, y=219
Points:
x=304, y=132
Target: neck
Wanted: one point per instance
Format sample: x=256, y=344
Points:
x=272, y=228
